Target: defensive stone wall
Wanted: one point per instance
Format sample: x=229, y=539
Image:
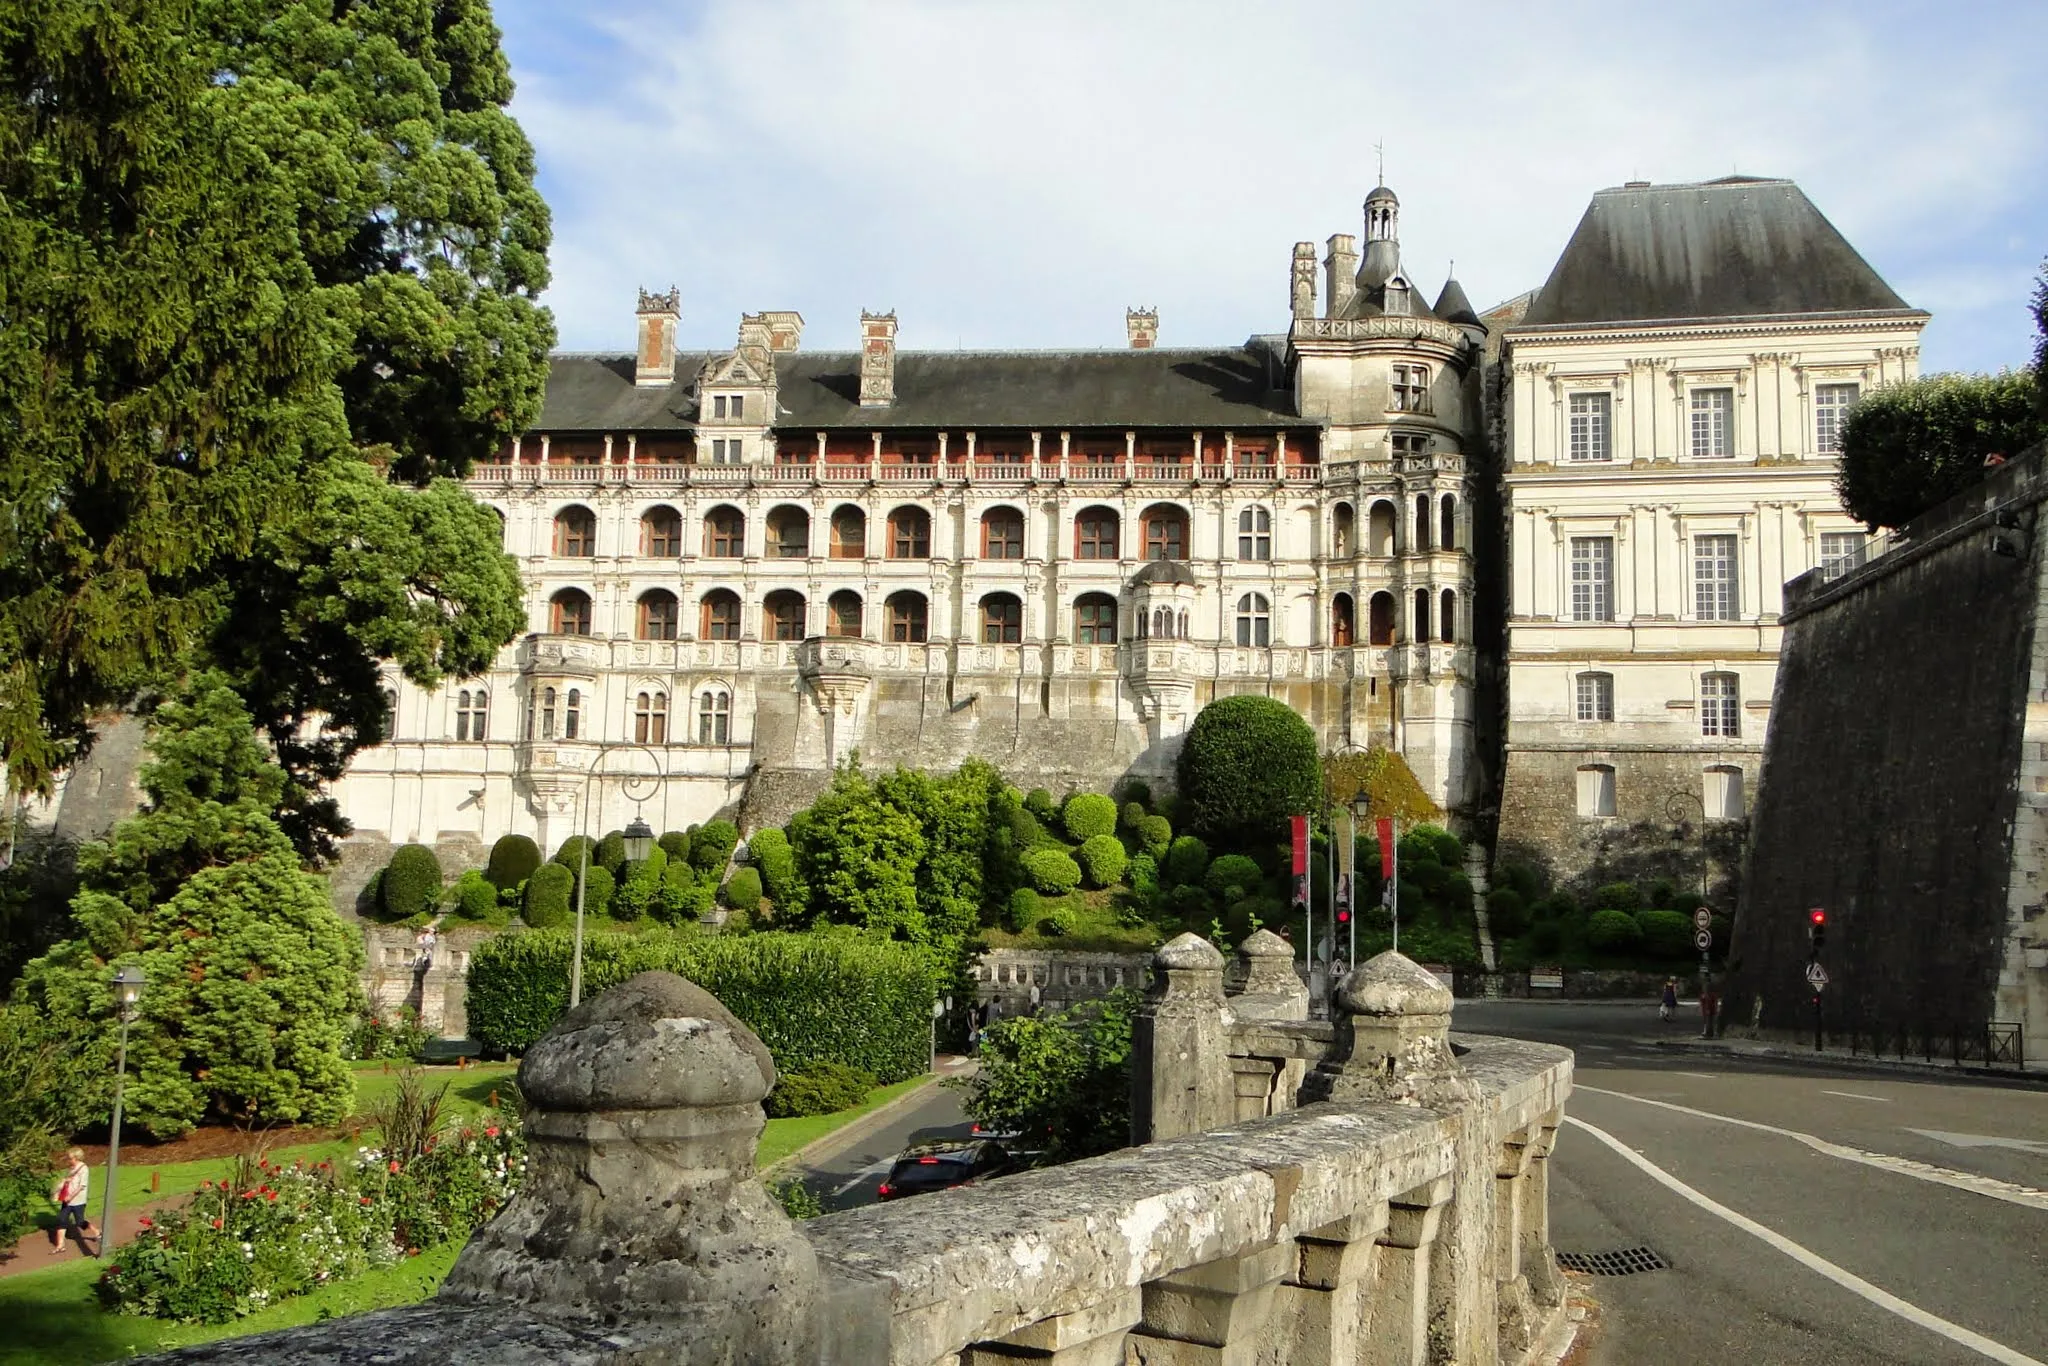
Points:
x=1893, y=781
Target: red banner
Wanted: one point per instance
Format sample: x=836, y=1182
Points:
x=1300, y=825
x=1386, y=829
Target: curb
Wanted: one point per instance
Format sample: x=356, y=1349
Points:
x=828, y=1145
x=1850, y=1063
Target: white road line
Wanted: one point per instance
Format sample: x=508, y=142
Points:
x=1903, y=1166
x=1858, y=1095
x=1813, y=1261
x=873, y=1169
x=1703, y=1076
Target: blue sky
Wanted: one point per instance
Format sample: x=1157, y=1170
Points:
x=1014, y=175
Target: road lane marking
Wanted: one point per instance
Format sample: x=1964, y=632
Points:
x=1703, y=1076
x=873, y=1169
x=1813, y=1261
x=2023, y=1145
x=1858, y=1095
x=1903, y=1166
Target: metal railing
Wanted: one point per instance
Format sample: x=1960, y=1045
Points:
x=1997, y=1044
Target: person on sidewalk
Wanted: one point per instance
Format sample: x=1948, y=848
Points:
x=1710, y=1008
x=69, y=1197
x=1667, y=1008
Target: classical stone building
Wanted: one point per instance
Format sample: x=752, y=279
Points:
x=744, y=566
x=1672, y=397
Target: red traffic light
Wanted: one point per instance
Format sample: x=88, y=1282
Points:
x=1817, y=916
x=1343, y=917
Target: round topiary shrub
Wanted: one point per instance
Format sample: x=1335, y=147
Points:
x=1248, y=763
x=513, y=859
x=1666, y=934
x=547, y=897
x=1520, y=878
x=474, y=898
x=1040, y=804
x=1233, y=877
x=1559, y=905
x=1129, y=816
x=1102, y=860
x=1618, y=896
x=1022, y=910
x=1136, y=790
x=1087, y=815
x=711, y=847
x=1545, y=937
x=412, y=882
x=1060, y=923
x=598, y=886
x=572, y=852
x=1155, y=835
x=1186, y=860
x=743, y=891
x=1191, y=903
x=768, y=850
x=611, y=853
x=675, y=843
x=1612, y=931
x=1506, y=913
x=1052, y=871
x=1450, y=850
x=682, y=895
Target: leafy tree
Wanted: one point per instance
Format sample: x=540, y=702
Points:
x=513, y=859
x=1063, y=1078
x=38, y=1107
x=252, y=977
x=1248, y=763
x=1390, y=786
x=249, y=257
x=857, y=858
x=35, y=894
x=1909, y=447
x=2039, y=305
x=1088, y=814
x=953, y=813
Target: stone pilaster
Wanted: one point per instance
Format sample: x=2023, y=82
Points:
x=1180, y=1050
x=1403, y=1311
x=1327, y=1302
x=1089, y=1337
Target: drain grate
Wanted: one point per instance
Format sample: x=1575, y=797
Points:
x=1625, y=1261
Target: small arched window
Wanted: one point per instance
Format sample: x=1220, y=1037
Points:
x=1254, y=620
x=1002, y=620
x=720, y=612
x=569, y=613
x=849, y=533
x=572, y=715
x=661, y=533
x=1095, y=619
x=1422, y=521
x=576, y=532
x=390, y=726
x=1255, y=534
x=908, y=617
x=1421, y=635
x=725, y=533
x=910, y=534
x=1447, y=534
x=650, y=718
x=843, y=614
x=782, y=615
x=1181, y=629
x=714, y=717
x=1380, y=539
x=658, y=615
x=1343, y=621
x=472, y=714
x=1447, y=617
x=1596, y=790
x=1095, y=534
x=1166, y=532
x=789, y=533
x=1343, y=532
x=1002, y=534
x=1162, y=623
x=1380, y=623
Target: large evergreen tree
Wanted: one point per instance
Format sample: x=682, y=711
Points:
x=250, y=252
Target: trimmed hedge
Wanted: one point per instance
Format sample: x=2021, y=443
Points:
x=1087, y=815
x=769, y=851
x=611, y=853
x=571, y=854
x=412, y=882
x=513, y=859
x=1186, y=860
x=1052, y=870
x=1102, y=860
x=1155, y=835
x=1666, y=934
x=675, y=843
x=1613, y=931
x=1233, y=871
x=812, y=998
x=819, y=1089
x=598, y=886
x=547, y=896
x=743, y=891
x=684, y=895
x=474, y=898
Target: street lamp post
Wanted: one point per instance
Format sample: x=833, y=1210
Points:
x=1676, y=807
x=128, y=985
x=639, y=838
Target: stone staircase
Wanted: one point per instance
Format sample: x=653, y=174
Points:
x=1475, y=868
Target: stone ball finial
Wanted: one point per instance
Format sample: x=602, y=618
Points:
x=1391, y=984
x=1266, y=944
x=1188, y=952
x=653, y=1042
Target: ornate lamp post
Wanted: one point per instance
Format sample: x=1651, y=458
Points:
x=639, y=837
x=128, y=985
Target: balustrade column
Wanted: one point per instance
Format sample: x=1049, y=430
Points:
x=1093, y=1336
x=1216, y=1314
x=1401, y=1305
x=1181, y=1081
x=1326, y=1304
x=1537, y=1264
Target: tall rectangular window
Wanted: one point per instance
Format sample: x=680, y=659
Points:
x=1592, y=578
x=1595, y=697
x=1720, y=706
x=1713, y=424
x=1831, y=403
x=1590, y=424
x=1715, y=595
x=1840, y=552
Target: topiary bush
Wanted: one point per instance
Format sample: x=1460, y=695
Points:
x=683, y=895
x=1128, y=817
x=1666, y=934
x=1910, y=447
x=547, y=897
x=1506, y=913
x=639, y=891
x=1052, y=870
x=1449, y=849
x=1087, y=815
x=1559, y=905
x=513, y=859
x=611, y=853
x=570, y=855
x=1618, y=896
x=1521, y=879
x=1613, y=931
x=1040, y=804
x=742, y=891
x=1155, y=835
x=1545, y=937
x=675, y=843
x=1134, y=790
x=1248, y=763
x=1059, y=923
x=810, y=997
x=711, y=847
x=1022, y=910
x=768, y=850
x=820, y=1089
x=473, y=898
x=598, y=887
x=1187, y=858
x=1102, y=860
x=1233, y=877
x=412, y=882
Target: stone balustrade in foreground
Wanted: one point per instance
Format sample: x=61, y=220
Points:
x=1356, y=1190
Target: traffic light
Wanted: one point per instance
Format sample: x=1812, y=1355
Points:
x=1343, y=915
x=1817, y=928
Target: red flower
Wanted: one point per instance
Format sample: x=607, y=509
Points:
x=490, y=1131
x=273, y=1197
x=145, y=1222
x=216, y=1223
x=365, y=1200
x=248, y=1195
x=394, y=1164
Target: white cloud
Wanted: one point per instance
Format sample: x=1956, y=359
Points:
x=1014, y=175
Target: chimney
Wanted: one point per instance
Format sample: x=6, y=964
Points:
x=1302, y=287
x=654, y=358
x=1341, y=268
x=1142, y=325
x=754, y=343
x=877, y=359
x=785, y=329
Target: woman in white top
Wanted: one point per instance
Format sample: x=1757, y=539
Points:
x=69, y=1196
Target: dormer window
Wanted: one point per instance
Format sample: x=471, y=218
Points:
x=729, y=406
x=1397, y=298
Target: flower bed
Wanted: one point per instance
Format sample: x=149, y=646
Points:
x=269, y=1232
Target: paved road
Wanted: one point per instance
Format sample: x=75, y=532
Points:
x=850, y=1177
x=1860, y=1189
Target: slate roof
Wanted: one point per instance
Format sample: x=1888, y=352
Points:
x=1453, y=307
x=1738, y=247
x=989, y=390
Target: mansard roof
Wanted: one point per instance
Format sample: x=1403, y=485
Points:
x=1739, y=247
x=989, y=390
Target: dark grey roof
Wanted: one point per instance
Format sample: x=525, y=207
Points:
x=1453, y=307
x=1733, y=248
x=1164, y=571
x=989, y=390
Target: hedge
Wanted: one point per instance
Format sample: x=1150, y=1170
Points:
x=1102, y=860
x=1087, y=815
x=412, y=882
x=812, y=998
x=1666, y=934
x=1613, y=931
x=1052, y=870
x=1023, y=910
x=1186, y=860
x=547, y=896
x=598, y=886
x=573, y=851
x=513, y=859
x=819, y=1089
x=611, y=852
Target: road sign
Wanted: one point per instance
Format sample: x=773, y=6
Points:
x=1816, y=976
x=1703, y=940
x=1702, y=919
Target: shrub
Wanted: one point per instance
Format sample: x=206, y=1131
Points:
x=711, y=847
x=1417, y=847
x=819, y=1089
x=1059, y=923
x=1613, y=931
x=1618, y=896
x=1135, y=791
x=1432, y=877
x=611, y=853
x=639, y=891
x=1545, y=937
x=474, y=898
x=1559, y=905
x=683, y=895
x=1665, y=934
x=1155, y=835
x=811, y=997
x=1087, y=815
x=1450, y=850
x=547, y=896
x=1521, y=879
x=768, y=850
x=513, y=859
x=1040, y=804
x=796, y=1198
x=395, y=1034
x=412, y=882
x=1248, y=763
x=1127, y=819
x=675, y=843
x=1910, y=447
x=598, y=890
x=742, y=891
x=571, y=854
x=1142, y=872
x=1187, y=858
x=1663, y=894
x=1063, y=1080
x=1191, y=903
x=1506, y=913
x=1022, y=910
x=1102, y=860
x=1232, y=877
x=1052, y=871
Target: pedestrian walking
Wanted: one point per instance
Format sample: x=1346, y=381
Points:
x=1710, y=1006
x=69, y=1196
x=1667, y=1008
x=423, y=949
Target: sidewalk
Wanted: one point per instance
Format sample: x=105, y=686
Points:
x=1838, y=1057
x=32, y=1253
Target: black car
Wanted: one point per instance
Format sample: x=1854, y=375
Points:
x=940, y=1166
